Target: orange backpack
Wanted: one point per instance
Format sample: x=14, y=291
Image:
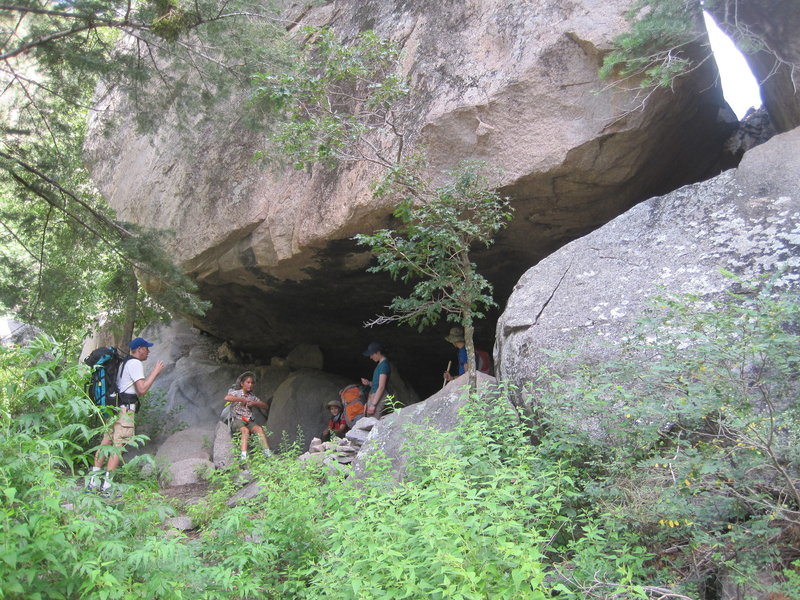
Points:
x=354, y=400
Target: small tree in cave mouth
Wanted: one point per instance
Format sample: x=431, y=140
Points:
x=431, y=247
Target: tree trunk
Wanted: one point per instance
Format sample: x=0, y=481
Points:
x=469, y=331
x=130, y=313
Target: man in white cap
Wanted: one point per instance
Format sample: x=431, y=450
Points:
x=131, y=384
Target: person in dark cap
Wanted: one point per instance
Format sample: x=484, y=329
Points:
x=456, y=337
x=131, y=384
x=376, y=401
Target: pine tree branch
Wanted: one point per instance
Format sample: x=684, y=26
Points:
x=93, y=21
x=57, y=35
x=15, y=76
x=121, y=231
x=17, y=239
x=44, y=11
x=52, y=202
x=40, y=275
x=36, y=108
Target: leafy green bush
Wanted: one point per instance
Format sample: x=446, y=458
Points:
x=39, y=396
x=55, y=540
x=693, y=434
x=480, y=514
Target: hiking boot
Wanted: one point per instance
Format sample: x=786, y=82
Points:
x=94, y=480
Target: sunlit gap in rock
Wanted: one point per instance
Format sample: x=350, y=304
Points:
x=739, y=86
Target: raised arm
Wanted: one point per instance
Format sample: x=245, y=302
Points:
x=142, y=386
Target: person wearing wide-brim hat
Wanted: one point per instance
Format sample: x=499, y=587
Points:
x=376, y=401
x=456, y=337
x=482, y=360
x=337, y=425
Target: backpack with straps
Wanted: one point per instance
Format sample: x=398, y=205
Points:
x=106, y=363
x=354, y=401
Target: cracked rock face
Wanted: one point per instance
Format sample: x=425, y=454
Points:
x=589, y=294
x=512, y=83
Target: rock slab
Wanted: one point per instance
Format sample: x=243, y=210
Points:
x=588, y=295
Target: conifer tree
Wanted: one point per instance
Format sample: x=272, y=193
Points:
x=65, y=257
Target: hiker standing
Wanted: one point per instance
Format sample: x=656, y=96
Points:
x=242, y=399
x=376, y=401
x=482, y=361
x=131, y=384
x=337, y=425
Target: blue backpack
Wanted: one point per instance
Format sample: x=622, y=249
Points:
x=106, y=363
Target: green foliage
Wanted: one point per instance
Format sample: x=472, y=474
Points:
x=653, y=52
x=55, y=540
x=264, y=546
x=154, y=421
x=652, y=475
x=74, y=45
x=173, y=20
x=693, y=432
x=329, y=106
x=59, y=276
x=65, y=258
x=38, y=393
x=479, y=514
x=431, y=247
x=53, y=274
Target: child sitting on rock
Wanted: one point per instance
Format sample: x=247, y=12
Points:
x=242, y=399
x=337, y=424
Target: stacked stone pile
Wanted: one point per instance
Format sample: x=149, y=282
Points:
x=344, y=450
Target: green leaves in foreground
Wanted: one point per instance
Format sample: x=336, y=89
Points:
x=661, y=473
x=480, y=513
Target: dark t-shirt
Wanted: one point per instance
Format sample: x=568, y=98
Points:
x=382, y=368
